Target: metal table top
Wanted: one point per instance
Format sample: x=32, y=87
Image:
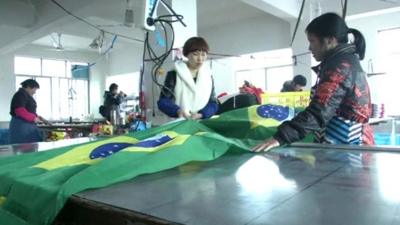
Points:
x=17, y=149
x=312, y=184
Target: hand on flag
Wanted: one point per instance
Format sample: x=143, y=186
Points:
x=183, y=114
x=266, y=145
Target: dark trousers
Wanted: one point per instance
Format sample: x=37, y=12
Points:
x=22, y=131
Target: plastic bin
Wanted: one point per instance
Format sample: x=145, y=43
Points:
x=386, y=139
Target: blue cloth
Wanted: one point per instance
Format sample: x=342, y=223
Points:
x=138, y=125
x=209, y=110
x=168, y=106
x=276, y=112
x=22, y=131
x=106, y=150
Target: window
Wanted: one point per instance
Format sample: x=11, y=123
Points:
x=384, y=87
x=128, y=83
x=53, y=68
x=60, y=96
x=277, y=76
x=266, y=70
x=27, y=66
x=19, y=80
x=255, y=77
x=43, y=97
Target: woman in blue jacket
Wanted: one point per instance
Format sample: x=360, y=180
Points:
x=188, y=90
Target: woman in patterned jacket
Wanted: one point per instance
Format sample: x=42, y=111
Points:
x=340, y=99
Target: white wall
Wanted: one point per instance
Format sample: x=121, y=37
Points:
x=96, y=87
x=126, y=60
x=369, y=27
x=223, y=73
x=247, y=36
x=256, y=34
x=383, y=89
x=300, y=45
x=7, y=85
x=188, y=9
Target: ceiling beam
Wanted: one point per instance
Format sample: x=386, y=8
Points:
x=287, y=10
x=49, y=18
x=25, y=18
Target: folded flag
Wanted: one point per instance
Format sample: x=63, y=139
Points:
x=341, y=131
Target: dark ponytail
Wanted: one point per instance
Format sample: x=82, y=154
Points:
x=332, y=25
x=359, y=42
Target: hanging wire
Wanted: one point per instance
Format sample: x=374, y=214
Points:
x=163, y=22
x=98, y=58
x=174, y=14
x=344, y=9
x=298, y=22
x=93, y=25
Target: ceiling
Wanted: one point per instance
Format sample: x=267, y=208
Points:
x=212, y=13
x=32, y=21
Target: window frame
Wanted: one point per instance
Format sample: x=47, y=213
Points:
x=70, y=81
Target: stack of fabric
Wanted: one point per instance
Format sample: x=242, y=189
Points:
x=378, y=110
x=341, y=131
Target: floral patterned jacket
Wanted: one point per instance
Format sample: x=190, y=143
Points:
x=341, y=90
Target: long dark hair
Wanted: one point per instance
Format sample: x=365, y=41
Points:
x=332, y=25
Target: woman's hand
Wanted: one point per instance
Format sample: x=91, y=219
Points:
x=181, y=114
x=38, y=120
x=266, y=145
x=196, y=116
x=122, y=94
x=43, y=120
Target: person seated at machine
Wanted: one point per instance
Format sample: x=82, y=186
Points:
x=112, y=100
x=297, y=84
x=248, y=95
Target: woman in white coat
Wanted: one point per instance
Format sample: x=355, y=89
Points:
x=189, y=88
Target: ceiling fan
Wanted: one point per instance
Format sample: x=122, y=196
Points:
x=57, y=44
x=56, y=41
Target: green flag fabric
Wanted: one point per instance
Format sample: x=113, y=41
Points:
x=34, y=187
x=248, y=124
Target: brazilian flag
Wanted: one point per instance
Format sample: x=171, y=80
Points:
x=34, y=187
x=250, y=124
